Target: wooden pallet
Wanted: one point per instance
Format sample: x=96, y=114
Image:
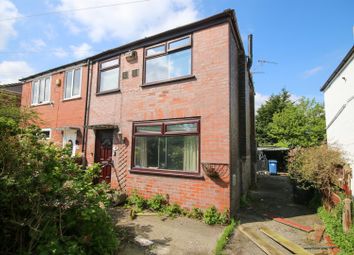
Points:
x=259, y=241
x=293, y=247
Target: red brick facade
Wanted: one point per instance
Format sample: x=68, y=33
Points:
x=60, y=113
x=211, y=94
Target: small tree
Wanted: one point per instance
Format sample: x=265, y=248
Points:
x=275, y=104
x=298, y=124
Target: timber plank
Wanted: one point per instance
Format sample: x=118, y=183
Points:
x=293, y=247
x=259, y=241
x=294, y=224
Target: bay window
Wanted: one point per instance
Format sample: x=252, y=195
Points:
x=167, y=146
x=169, y=60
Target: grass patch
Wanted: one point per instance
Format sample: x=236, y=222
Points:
x=222, y=241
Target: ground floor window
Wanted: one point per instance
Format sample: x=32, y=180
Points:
x=167, y=145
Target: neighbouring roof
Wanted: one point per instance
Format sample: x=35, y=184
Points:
x=227, y=15
x=339, y=68
x=12, y=87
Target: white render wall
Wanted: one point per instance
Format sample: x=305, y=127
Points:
x=340, y=93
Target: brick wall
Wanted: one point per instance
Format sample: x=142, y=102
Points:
x=61, y=113
x=206, y=96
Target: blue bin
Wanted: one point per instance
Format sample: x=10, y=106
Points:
x=273, y=166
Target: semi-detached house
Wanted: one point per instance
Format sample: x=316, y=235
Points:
x=172, y=113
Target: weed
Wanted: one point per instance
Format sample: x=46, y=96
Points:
x=333, y=222
x=195, y=213
x=212, y=216
x=157, y=203
x=222, y=241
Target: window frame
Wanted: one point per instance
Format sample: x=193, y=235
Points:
x=47, y=130
x=72, y=84
x=49, y=94
x=163, y=133
x=98, y=90
x=165, y=53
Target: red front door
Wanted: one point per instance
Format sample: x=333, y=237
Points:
x=103, y=153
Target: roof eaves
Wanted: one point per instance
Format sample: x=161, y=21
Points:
x=338, y=69
x=54, y=69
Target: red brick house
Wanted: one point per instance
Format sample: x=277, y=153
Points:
x=171, y=114
x=59, y=97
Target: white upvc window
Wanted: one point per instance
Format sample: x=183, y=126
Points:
x=72, y=87
x=41, y=91
x=47, y=132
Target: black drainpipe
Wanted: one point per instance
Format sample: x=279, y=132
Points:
x=87, y=107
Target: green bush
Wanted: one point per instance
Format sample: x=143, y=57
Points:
x=48, y=204
x=316, y=167
x=137, y=201
x=157, y=203
x=212, y=216
x=333, y=223
x=196, y=213
x=173, y=210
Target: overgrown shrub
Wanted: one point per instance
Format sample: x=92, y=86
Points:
x=48, y=204
x=316, y=167
x=333, y=222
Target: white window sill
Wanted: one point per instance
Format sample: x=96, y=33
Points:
x=71, y=98
x=44, y=103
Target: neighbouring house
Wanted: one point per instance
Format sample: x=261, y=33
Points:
x=11, y=90
x=58, y=96
x=172, y=113
x=339, y=107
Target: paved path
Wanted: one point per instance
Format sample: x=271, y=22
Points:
x=273, y=197
x=168, y=236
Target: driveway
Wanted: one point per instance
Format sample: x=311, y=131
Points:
x=165, y=236
x=272, y=198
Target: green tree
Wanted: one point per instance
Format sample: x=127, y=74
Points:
x=298, y=124
x=275, y=104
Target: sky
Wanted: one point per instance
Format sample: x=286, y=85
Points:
x=297, y=44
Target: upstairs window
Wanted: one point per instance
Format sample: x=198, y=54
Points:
x=169, y=60
x=72, y=86
x=41, y=91
x=167, y=146
x=109, y=75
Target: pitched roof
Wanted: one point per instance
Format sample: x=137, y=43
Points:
x=338, y=69
x=226, y=16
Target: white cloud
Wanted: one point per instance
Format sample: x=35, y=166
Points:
x=259, y=100
x=34, y=45
x=11, y=71
x=81, y=51
x=127, y=21
x=312, y=71
x=7, y=10
x=60, y=53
